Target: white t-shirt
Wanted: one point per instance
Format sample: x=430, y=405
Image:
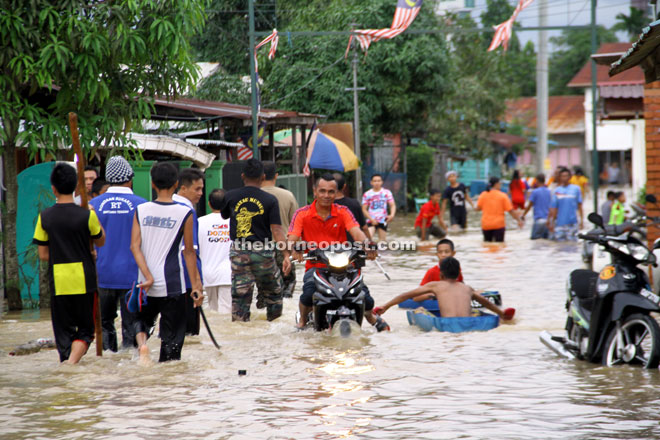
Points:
x=161, y=228
x=214, y=244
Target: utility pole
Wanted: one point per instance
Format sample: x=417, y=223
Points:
x=594, y=105
x=356, y=118
x=542, y=92
x=253, y=83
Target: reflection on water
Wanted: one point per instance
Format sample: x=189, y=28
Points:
x=398, y=384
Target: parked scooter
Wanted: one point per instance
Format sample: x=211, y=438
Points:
x=339, y=295
x=609, y=314
x=595, y=257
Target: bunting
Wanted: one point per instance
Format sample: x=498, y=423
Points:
x=504, y=30
x=406, y=11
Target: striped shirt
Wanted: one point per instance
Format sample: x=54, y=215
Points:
x=161, y=229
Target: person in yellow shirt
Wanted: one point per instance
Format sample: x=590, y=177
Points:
x=580, y=180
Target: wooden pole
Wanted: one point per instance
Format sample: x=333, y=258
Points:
x=82, y=190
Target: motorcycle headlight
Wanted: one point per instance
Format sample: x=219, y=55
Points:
x=338, y=260
x=619, y=246
x=638, y=252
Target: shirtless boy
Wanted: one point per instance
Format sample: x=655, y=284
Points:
x=454, y=298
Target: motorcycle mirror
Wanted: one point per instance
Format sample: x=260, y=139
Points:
x=651, y=198
x=596, y=219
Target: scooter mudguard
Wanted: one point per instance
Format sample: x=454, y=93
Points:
x=623, y=301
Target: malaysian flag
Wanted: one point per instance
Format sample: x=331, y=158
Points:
x=406, y=11
x=244, y=153
x=503, y=30
x=273, y=39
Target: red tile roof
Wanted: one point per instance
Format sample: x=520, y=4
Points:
x=631, y=76
x=565, y=113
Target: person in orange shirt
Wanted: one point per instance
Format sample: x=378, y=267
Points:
x=494, y=204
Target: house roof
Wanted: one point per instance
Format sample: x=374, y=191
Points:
x=565, y=113
x=187, y=109
x=629, y=77
x=644, y=52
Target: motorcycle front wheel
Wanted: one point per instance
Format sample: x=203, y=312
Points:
x=641, y=343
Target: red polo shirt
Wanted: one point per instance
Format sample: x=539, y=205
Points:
x=433, y=274
x=310, y=227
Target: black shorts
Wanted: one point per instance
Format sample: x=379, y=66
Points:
x=458, y=217
x=382, y=226
x=309, y=287
x=73, y=320
x=172, y=310
x=496, y=235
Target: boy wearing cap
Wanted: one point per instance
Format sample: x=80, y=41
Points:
x=115, y=262
x=456, y=194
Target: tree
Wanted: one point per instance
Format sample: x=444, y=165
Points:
x=105, y=60
x=572, y=51
x=633, y=23
x=476, y=100
x=405, y=77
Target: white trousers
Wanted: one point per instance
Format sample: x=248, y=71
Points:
x=219, y=298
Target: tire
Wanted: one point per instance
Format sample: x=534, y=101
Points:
x=644, y=333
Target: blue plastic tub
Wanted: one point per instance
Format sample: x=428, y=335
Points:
x=483, y=322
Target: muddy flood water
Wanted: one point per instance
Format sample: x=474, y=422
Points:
x=402, y=384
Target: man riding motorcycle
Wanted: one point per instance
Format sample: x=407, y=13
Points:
x=324, y=223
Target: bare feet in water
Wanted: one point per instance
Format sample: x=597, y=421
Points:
x=145, y=358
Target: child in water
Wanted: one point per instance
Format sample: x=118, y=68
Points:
x=454, y=298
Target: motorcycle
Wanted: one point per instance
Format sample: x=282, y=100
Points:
x=339, y=296
x=595, y=257
x=609, y=313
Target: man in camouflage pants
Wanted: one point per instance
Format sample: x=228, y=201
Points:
x=255, y=267
x=254, y=221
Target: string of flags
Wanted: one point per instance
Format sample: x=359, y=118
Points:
x=406, y=11
x=504, y=30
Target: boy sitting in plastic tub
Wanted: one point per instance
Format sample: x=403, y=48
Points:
x=454, y=298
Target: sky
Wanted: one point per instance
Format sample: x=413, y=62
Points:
x=562, y=13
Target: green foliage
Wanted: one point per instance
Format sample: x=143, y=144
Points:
x=420, y=166
x=474, y=104
x=225, y=87
x=104, y=60
x=225, y=37
x=633, y=23
x=447, y=90
x=572, y=51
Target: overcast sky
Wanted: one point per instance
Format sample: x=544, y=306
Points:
x=563, y=13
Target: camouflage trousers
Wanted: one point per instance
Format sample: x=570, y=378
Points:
x=289, y=281
x=247, y=269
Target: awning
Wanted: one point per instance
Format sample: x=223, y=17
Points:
x=644, y=52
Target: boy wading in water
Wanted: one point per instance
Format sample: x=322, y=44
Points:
x=158, y=229
x=63, y=234
x=454, y=298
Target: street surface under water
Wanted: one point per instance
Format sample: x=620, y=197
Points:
x=402, y=384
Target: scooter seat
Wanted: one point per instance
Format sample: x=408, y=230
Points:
x=583, y=284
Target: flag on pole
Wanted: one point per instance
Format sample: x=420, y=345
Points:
x=244, y=153
x=504, y=30
x=406, y=11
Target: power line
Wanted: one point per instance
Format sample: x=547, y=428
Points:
x=307, y=83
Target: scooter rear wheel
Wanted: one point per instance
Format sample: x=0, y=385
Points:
x=641, y=339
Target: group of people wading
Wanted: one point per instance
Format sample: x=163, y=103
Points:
x=161, y=248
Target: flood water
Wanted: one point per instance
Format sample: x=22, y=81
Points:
x=401, y=384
